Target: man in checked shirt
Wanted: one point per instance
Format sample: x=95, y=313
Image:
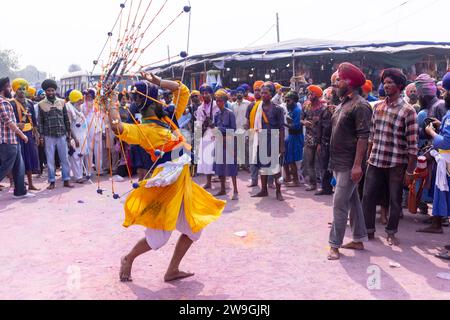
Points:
x=393, y=149
x=10, y=149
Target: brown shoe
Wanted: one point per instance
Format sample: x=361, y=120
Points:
x=52, y=186
x=68, y=185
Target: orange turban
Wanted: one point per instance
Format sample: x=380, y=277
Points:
x=367, y=87
x=278, y=86
x=258, y=85
x=352, y=74
x=316, y=90
x=195, y=93
x=31, y=92
x=221, y=94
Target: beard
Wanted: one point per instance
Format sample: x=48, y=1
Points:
x=342, y=92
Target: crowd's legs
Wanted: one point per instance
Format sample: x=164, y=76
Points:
x=327, y=174
x=11, y=162
x=310, y=155
x=346, y=200
x=60, y=144
x=375, y=178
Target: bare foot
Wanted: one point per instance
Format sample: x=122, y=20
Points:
x=178, y=275
x=358, y=246
x=125, y=270
x=392, y=240
x=334, y=255
x=383, y=220
x=221, y=193
x=235, y=197
x=33, y=188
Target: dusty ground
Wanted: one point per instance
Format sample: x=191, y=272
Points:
x=54, y=247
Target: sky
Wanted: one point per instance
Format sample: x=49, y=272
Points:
x=53, y=34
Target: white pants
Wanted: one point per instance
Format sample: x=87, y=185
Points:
x=76, y=165
x=157, y=239
x=206, y=154
x=95, y=147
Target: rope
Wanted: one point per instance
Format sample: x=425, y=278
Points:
x=127, y=52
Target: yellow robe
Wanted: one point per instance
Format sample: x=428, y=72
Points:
x=159, y=207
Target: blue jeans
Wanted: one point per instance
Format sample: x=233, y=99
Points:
x=347, y=201
x=11, y=161
x=52, y=143
x=255, y=173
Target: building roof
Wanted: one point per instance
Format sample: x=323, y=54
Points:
x=304, y=48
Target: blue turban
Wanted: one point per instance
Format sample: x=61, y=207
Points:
x=146, y=89
x=240, y=89
x=233, y=92
x=67, y=94
x=206, y=88
x=446, y=82
x=381, y=91
x=40, y=92
x=246, y=87
x=91, y=93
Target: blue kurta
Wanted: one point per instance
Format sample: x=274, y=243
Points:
x=226, y=120
x=441, y=201
x=295, y=140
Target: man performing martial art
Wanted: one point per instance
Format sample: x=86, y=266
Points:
x=169, y=200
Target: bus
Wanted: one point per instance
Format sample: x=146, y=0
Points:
x=82, y=80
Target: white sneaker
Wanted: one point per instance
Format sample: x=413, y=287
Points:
x=26, y=196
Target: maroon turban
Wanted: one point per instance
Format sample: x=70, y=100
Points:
x=352, y=74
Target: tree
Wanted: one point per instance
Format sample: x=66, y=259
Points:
x=8, y=63
x=74, y=68
x=32, y=74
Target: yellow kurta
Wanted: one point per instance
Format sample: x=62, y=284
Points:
x=159, y=207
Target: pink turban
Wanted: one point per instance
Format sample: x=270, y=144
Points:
x=426, y=86
x=410, y=88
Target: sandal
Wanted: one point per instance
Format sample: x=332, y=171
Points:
x=443, y=256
